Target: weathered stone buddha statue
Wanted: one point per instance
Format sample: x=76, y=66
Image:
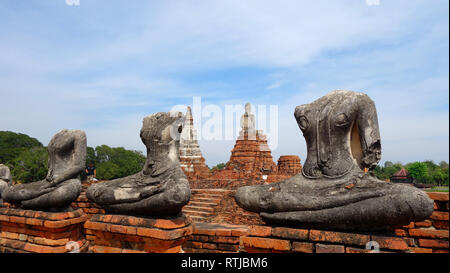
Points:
x=161, y=188
x=5, y=179
x=66, y=160
x=333, y=190
x=248, y=125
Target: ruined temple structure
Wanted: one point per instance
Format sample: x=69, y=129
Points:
x=289, y=165
x=251, y=156
x=191, y=158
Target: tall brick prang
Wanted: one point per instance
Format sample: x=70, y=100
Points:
x=191, y=158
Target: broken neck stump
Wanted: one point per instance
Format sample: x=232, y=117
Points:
x=29, y=231
x=128, y=234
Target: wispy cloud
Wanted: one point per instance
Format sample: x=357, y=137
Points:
x=95, y=66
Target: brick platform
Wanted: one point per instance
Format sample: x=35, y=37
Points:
x=28, y=231
x=127, y=234
x=266, y=239
x=87, y=206
x=215, y=238
x=428, y=236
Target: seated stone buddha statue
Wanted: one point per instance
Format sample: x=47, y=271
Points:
x=66, y=160
x=5, y=179
x=161, y=188
x=336, y=188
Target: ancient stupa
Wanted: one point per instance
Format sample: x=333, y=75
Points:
x=251, y=156
x=191, y=159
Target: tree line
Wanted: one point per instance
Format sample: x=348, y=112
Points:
x=27, y=159
x=426, y=172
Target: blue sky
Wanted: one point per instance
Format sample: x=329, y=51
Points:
x=104, y=65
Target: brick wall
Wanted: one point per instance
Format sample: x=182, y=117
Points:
x=27, y=231
x=429, y=236
x=215, y=238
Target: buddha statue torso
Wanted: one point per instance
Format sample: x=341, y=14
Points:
x=331, y=125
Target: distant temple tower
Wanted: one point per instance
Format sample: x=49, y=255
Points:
x=191, y=159
x=289, y=165
x=251, y=156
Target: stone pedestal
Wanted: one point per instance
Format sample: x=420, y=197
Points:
x=128, y=234
x=29, y=231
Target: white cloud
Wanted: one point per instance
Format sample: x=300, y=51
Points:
x=373, y=2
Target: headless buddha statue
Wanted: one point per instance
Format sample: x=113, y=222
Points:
x=161, y=188
x=66, y=160
x=5, y=179
x=335, y=188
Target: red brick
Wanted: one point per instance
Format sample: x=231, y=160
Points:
x=34, y=222
x=302, y=247
x=9, y=235
x=19, y=220
x=356, y=250
x=228, y=247
x=48, y=242
x=223, y=232
x=266, y=243
x=171, y=223
x=440, y=250
x=201, y=238
x=439, y=215
x=208, y=246
x=433, y=243
x=290, y=233
x=440, y=224
x=164, y=234
x=261, y=231
x=134, y=221
x=257, y=250
x=426, y=223
x=193, y=244
x=421, y=250
x=410, y=225
x=322, y=248
x=204, y=231
x=33, y=248
x=224, y=239
x=132, y=251
x=394, y=243
x=429, y=233
x=400, y=232
x=96, y=226
x=239, y=232
x=57, y=224
x=338, y=237
x=105, y=249
x=438, y=196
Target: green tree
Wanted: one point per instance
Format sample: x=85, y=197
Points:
x=13, y=144
x=30, y=165
x=418, y=171
x=117, y=162
x=443, y=165
x=219, y=167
